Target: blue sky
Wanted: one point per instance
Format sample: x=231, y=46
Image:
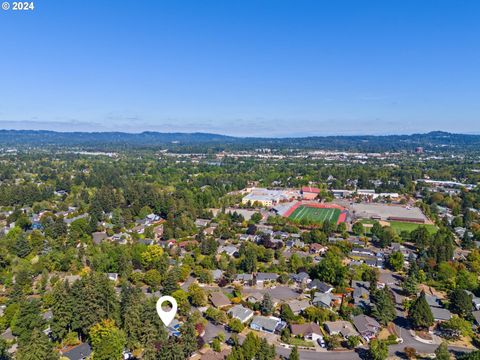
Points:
x=268, y=68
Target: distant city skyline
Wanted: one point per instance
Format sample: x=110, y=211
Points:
x=244, y=68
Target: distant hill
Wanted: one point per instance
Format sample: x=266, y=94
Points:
x=437, y=140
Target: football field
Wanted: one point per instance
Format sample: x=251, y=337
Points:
x=315, y=215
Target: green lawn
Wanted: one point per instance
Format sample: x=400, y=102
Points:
x=300, y=342
x=400, y=226
x=315, y=215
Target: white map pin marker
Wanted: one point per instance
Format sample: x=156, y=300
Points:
x=167, y=316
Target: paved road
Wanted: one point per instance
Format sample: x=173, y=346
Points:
x=400, y=322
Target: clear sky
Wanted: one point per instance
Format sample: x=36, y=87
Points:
x=249, y=67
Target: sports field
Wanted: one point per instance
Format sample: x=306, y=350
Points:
x=400, y=226
x=315, y=214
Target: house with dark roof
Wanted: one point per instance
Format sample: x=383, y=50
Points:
x=219, y=300
x=367, y=326
x=300, y=278
x=309, y=331
x=441, y=314
x=438, y=311
x=361, y=293
x=79, y=352
x=320, y=286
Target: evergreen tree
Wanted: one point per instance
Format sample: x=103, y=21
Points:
x=94, y=300
x=420, y=313
x=38, y=347
x=249, y=262
x=172, y=350
x=188, y=337
x=62, y=311
x=171, y=283
x=266, y=306
x=27, y=319
x=294, y=355
x=130, y=313
x=265, y=351
x=107, y=340
x=441, y=353
x=4, y=354
x=461, y=302
x=410, y=285
x=383, y=305
x=378, y=350
x=250, y=346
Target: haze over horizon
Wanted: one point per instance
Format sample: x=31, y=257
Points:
x=250, y=68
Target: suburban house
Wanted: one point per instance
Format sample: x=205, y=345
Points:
x=267, y=324
x=297, y=306
x=340, y=327
x=310, y=331
x=367, y=326
x=200, y=223
x=241, y=313
x=317, y=248
x=254, y=297
x=323, y=300
x=301, y=278
x=230, y=250
x=79, y=352
x=244, y=278
x=320, y=286
x=262, y=278
x=98, y=237
x=216, y=274
x=361, y=293
x=438, y=311
x=219, y=300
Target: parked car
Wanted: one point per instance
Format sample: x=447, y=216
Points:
x=321, y=342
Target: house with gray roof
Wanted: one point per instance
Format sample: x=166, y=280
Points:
x=230, y=250
x=241, y=313
x=320, y=286
x=216, y=274
x=367, y=326
x=301, y=278
x=297, y=306
x=323, y=300
x=361, y=293
x=98, y=237
x=267, y=324
x=262, y=278
x=340, y=327
x=79, y=352
x=440, y=314
x=244, y=278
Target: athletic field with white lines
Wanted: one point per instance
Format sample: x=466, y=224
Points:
x=315, y=214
